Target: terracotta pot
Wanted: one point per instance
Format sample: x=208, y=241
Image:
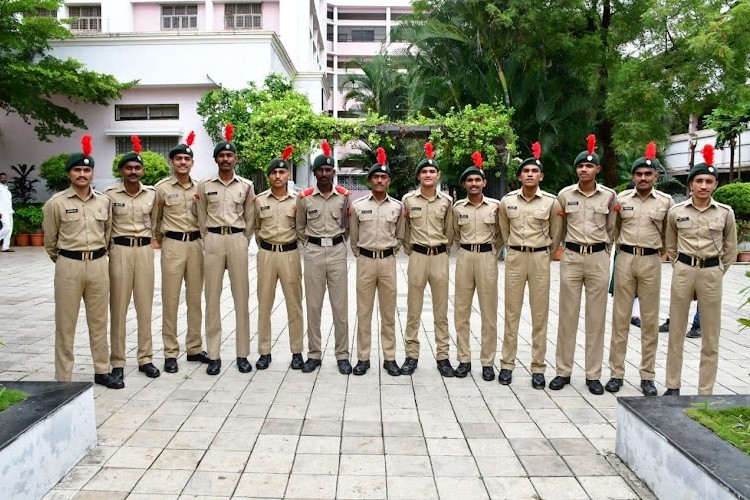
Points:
x=23, y=240
x=37, y=240
x=743, y=257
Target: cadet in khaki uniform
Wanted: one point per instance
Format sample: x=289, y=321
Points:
x=77, y=226
x=530, y=228
x=476, y=231
x=323, y=226
x=226, y=221
x=428, y=236
x=177, y=232
x=639, y=233
x=588, y=231
x=131, y=261
x=701, y=244
x=377, y=225
x=278, y=260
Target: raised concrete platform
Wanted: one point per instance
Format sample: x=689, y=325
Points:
x=676, y=456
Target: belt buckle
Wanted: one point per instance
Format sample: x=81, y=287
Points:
x=275, y=247
x=583, y=249
x=379, y=254
x=638, y=251
x=87, y=255
x=696, y=262
x=431, y=251
x=524, y=248
x=326, y=242
x=185, y=237
x=224, y=230
x=474, y=247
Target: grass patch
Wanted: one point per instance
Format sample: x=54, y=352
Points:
x=9, y=398
x=730, y=424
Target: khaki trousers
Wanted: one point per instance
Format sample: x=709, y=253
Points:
x=576, y=272
x=181, y=260
x=325, y=268
x=522, y=268
x=285, y=267
x=226, y=252
x=635, y=274
x=376, y=275
x=476, y=271
x=76, y=280
x=131, y=274
x=706, y=284
x=424, y=269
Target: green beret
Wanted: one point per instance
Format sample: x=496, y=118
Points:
x=224, y=146
x=377, y=168
x=79, y=160
x=702, y=168
x=278, y=163
x=321, y=161
x=180, y=149
x=470, y=171
x=529, y=161
x=132, y=156
x=426, y=162
x=643, y=162
x=584, y=156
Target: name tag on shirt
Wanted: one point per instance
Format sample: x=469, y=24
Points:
x=680, y=219
x=512, y=207
x=119, y=204
x=312, y=211
x=366, y=211
x=173, y=195
x=627, y=208
x=71, y=210
x=463, y=216
x=572, y=203
x=416, y=209
x=265, y=208
x=212, y=192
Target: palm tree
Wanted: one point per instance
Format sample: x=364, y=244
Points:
x=380, y=88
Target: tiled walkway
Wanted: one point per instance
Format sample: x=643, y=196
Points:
x=283, y=433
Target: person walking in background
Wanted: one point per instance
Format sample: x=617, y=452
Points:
x=6, y=213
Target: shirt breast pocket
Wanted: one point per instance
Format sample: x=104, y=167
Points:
x=416, y=218
x=572, y=209
x=628, y=214
x=71, y=216
x=541, y=215
x=212, y=198
x=684, y=224
x=239, y=202
x=264, y=212
x=716, y=225
x=119, y=209
x=364, y=217
x=171, y=203
x=392, y=217
x=490, y=218
x=657, y=215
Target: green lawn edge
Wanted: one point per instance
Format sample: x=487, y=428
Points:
x=10, y=397
x=730, y=424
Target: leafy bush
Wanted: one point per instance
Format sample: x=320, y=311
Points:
x=28, y=219
x=155, y=166
x=737, y=196
x=22, y=185
x=54, y=174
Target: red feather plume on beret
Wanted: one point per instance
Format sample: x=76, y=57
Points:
x=190, y=138
x=708, y=154
x=136, y=141
x=428, y=150
x=591, y=143
x=86, y=146
x=381, y=156
x=325, y=147
x=536, y=150
x=229, y=132
x=287, y=153
x=476, y=157
x=650, y=153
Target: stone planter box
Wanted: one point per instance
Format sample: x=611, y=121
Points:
x=675, y=455
x=42, y=438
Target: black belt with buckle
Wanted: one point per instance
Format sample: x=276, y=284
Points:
x=278, y=247
x=696, y=262
x=319, y=241
x=376, y=254
x=638, y=250
x=225, y=230
x=174, y=235
x=429, y=250
x=527, y=249
x=90, y=255
x=131, y=241
x=477, y=247
x=596, y=247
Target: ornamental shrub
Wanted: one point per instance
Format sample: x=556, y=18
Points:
x=737, y=196
x=54, y=174
x=155, y=166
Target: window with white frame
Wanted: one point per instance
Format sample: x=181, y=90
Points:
x=46, y=13
x=242, y=16
x=179, y=17
x=129, y=112
x=86, y=18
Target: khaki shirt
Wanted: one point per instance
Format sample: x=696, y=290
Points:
x=226, y=205
x=587, y=219
x=531, y=223
x=702, y=233
x=320, y=216
x=132, y=215
x=429, y=221
x=642, y=222
x=72, y=223
x=476, y=224
x=176, y=207
x=376, y=225
x=275, y=218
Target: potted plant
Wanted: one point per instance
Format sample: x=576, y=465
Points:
x=28, y=225
x=22, y=185
x=743, y=240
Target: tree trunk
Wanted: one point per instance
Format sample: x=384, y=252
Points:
x=608, y=160
x=732, y=144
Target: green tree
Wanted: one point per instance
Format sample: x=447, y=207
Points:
x=54, y=173
x=729, y=123
x=379, y=89
x=155, y=168
x=30, y=78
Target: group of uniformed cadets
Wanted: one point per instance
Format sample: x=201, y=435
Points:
x=203, y=228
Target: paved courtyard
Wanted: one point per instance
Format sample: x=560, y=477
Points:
x=283, y=433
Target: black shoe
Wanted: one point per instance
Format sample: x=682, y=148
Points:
x=263, y=361
x=445, y=368
x=170, y=365
x=118, y=373
x=505, y=377
x=297, y=362
x=635, y=321
x=410, y=364
x=150, y=370
x=559, y=382
x=648, y=388
x=537, y=380
x=392, y=368
x=672, y=392
x=595, y=387
x=310, y=365
x=488, y=373
x=613, y=385
x=664, y=327
x=244, y=366
x=108, y=381
x=214, y=367
x=345, y=367
x=361, y=368
x=461, y=371
x=694, y=333
x=201, y=356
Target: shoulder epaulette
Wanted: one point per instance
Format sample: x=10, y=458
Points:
x=549, y=195
x=98, y=192
x=342, y=190
x=305, y=192
x=408, y=195
x=662, y=194
x=57, y=195
x=149, y=188
x=512, y=193
x=109, y=188
x=609, y=189
x=463, y=201
x=246, y=181
x=264, y=193
x=394, y=200
x=566, y=189
x=681, y=204
x=162, y=181
x=491, y=200
x=358, y=200
x=724, y=206
x=626, y=192
x=446, y=196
